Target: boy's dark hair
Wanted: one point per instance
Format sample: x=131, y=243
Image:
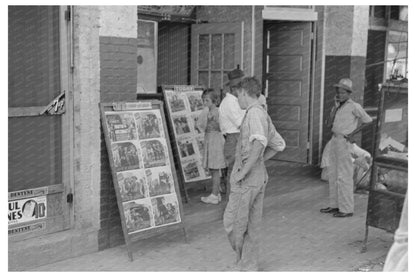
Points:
x=211, y=93
x=251, y=85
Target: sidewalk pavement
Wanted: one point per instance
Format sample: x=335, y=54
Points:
x=295, y=237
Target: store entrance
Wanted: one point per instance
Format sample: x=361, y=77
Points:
x=287, y=66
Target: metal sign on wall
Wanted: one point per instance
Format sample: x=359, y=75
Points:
x=27, y=210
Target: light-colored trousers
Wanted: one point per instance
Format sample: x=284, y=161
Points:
x=242, y=222
x=341, y=173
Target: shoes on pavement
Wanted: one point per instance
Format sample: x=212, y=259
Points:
x=329, y=210
x=211, y=199
x=339, y=214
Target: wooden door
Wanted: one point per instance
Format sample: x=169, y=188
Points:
x=39, y=148
x=216, y=50
x=287, y=82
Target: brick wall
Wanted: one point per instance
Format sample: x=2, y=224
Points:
x=118, y=81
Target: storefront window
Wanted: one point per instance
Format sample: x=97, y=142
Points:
x=396, y=66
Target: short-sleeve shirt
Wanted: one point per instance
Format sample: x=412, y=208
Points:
x=230, y=114
x=257, y=125
x=347, y=117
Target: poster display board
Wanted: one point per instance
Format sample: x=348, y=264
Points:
x=184, y=106
x=142, y=167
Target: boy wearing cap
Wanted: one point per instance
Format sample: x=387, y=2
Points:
x=344, y=121
x=258, y=141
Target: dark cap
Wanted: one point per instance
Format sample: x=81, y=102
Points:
x=234, y=76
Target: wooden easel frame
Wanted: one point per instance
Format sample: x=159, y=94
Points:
x=129, y=107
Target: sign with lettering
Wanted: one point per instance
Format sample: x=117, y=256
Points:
x=39, y=226
x=28, y=209
x=142, y=167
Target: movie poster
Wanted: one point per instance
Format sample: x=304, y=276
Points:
x=132, y=185
x=195, y=101
x=160, y=181
x=154, y=153
x=182, y=125
x=126, y=156
x=176, y=102
x=166, y=210
x=185, y=105
x=121, y=126
x=149, y=124
x=186, y=147
x=144, y=177
x=138, y=215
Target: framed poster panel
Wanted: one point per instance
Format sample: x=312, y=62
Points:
x=184, y=105
x=143, y=171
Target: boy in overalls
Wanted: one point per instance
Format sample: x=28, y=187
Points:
x=258, y=142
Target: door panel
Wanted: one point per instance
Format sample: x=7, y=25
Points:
x=36, y=156
x=288, y=62
x=216, y=50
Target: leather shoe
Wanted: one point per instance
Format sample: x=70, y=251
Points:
x=339, y=214
x=329, y=210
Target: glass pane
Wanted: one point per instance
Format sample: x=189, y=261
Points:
x=34, y=78
x=216, y=49
x=380, y=11
x=224, y=78
x=394, y=12
x=394, y=126
x=396, y=66
x=35, y=158
x=216, y=79
x=203, y=51
x=203, y=78
x=229, y=51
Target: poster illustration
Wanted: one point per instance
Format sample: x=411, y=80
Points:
x=140, y=159
x=176, y=102
x=149, y=124
x=186, y=147
x=195, y=101
x=121, y=126
x=138, y=215
x=185, y=105
x=182, y=125
x=160, y=181
x=25, y=210
x=126, y=156
x=191, y=170
x=166, y=210
x=154, y=153
x=132, y=185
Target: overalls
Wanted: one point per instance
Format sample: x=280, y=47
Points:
x=242, y=216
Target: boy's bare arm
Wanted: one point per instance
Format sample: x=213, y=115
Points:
x=269, y=153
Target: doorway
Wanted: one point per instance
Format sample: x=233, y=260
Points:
x=286, y=77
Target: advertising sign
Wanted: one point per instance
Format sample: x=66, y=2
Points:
x=25, y=210
x=184, y=106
